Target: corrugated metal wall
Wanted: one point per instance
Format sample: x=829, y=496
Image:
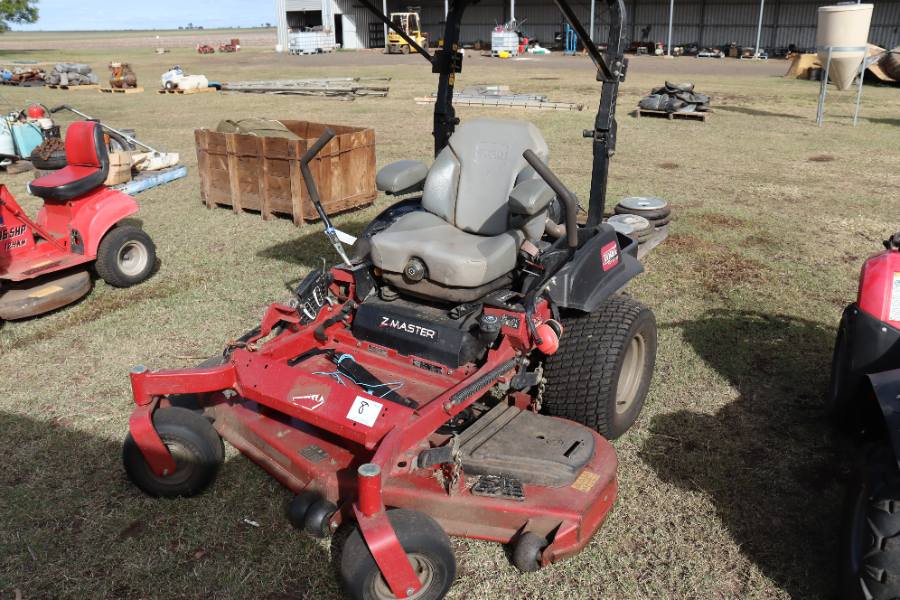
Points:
x=709, y=22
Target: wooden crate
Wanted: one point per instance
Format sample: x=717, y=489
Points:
x=248, y=172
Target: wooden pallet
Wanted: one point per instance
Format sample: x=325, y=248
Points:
x=690, y=116
x=194, y=91
x=122, y=90
x=95, y=86
x=499, y=103
x=31, y=83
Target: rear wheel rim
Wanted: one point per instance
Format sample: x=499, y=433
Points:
x=184, y=465
x=631, y=375
x=132, y=258
x=424, y=568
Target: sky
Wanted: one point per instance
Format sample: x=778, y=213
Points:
x=159, y=14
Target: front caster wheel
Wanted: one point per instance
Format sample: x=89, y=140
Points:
x=427, y=547
x=529, y=549
x=317, y=520
x=601, y=373
x=194, y=445
x=125, y=257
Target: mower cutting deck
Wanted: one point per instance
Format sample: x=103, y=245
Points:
x=417, y=388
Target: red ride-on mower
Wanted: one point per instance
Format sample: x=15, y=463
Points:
x=864, y=393
x=418, y=388
x=43, y=263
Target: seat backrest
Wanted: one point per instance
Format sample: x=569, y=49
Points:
x=469, y=183
x=85, y=145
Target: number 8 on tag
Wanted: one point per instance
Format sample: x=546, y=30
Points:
x=364, y=411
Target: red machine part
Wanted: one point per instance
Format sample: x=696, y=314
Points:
x=35, y=112
x=879, y=287
x=374, y=444
x=15, y=234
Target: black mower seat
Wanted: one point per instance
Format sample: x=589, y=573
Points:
x=88, y=164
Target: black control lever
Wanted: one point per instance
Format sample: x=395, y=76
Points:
x=571, y=204
x=314, y=192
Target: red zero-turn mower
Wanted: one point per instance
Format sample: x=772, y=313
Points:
x=43, y=263
x=864, y=394
x=422, y=388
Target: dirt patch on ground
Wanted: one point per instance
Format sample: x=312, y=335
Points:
x=722, y=220
x=728, y=270
x=667, y=165
x=820, y=158
x=682, y=242
x=132, y=530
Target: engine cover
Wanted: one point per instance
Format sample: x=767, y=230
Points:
x=418, y=329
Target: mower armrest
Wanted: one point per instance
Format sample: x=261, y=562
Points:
x=402, y=177
x=530, y=197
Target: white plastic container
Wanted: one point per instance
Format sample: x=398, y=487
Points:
x=504, y=41
x=279, y=48
x=193, y=82
x=311, y=42
x=843, y=26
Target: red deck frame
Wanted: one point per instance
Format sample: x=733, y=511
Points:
x=270, y=411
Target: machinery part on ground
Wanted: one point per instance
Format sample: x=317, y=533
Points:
x=122, y=75
x=317, y=520
x=617, y=342
x=48, y=294
x=869, y=566
x=426, y=545
x=50, y=155
x=194, y=445
x=529, y=548
x=299, y=507
x=890, y=63
x=126, y=256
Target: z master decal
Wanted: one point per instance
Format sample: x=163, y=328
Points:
x=408, y=327
x=610, y=253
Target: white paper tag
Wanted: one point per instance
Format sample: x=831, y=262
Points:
x=345, y=238
x=895, y=299
x=364, y=411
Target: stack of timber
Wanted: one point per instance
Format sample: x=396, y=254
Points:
x=248, y=172
x=347, y=88
x=499, y=96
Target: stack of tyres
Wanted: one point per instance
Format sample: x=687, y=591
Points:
x=655, y=210
x=641, y=229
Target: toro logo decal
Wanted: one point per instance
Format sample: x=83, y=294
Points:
x=408, y=327
x=610, y=254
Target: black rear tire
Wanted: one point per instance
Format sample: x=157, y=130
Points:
x=870, y=541
x=126, y=256
x=194, y=445
x=426, y=545
x=601, y=373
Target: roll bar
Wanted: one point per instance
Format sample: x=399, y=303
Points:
x=611, y=69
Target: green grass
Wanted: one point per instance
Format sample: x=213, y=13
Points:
x=731, y=481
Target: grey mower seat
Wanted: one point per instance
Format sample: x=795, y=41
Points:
x=468, y=238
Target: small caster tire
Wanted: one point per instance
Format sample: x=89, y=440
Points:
x=404, y=49
x=528, y=552
x=299, y=507
x=194, y=445
x=126, y=256
x=317, y=520
x=427, y=547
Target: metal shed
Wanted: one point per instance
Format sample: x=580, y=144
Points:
x=707, y=22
